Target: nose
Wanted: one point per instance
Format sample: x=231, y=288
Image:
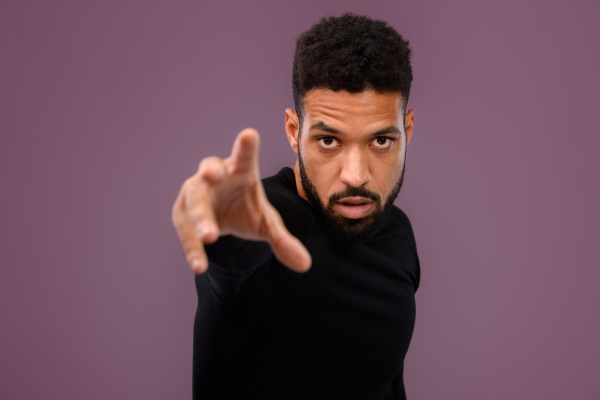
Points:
x=355, y=168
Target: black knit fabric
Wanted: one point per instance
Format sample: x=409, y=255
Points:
x=339, y=331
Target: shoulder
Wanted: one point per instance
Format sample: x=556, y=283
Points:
x=283, y=182
x=400, y=218
x=281, y=188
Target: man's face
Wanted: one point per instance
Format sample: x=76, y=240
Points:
x=351, y=155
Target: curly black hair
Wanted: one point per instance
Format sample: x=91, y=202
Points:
x=351, y=53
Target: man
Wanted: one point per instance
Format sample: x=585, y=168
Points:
x=308, y=288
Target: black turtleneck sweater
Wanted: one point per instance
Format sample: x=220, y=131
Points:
x=339, y=331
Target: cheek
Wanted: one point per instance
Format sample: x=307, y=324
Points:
x=386, y=175
x=321, y=169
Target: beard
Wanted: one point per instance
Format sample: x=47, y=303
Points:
x=356, y=230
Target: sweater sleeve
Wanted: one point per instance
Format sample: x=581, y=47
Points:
x=231, y=262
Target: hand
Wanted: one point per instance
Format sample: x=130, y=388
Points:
x=226, y=196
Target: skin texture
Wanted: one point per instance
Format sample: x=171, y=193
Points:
x=351, y=156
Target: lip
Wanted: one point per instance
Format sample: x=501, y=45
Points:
x=354, y=207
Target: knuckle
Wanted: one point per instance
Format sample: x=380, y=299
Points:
x=207, y=162
x=206, y=169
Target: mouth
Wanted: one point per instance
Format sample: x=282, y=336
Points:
x=354, y=207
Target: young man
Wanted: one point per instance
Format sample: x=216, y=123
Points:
x=308, y=288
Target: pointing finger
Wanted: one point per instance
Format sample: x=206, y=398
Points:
x=245, y=150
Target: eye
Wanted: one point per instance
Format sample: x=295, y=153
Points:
x=327, y=141
x=382, y=142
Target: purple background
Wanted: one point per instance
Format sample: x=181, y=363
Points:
x=106, y=107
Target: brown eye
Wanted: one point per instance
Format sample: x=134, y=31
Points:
x=382, y=142
x=327, y=141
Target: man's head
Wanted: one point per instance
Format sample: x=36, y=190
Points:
x=351, y=82
x=351, y=53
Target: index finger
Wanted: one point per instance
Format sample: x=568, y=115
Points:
x=245, y=150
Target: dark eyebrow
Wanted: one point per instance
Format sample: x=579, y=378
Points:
x=387, y=129
x=322, y=126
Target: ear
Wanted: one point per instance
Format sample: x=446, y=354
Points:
x=291, y=128
x=409, y=122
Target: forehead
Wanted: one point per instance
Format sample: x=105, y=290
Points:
x=368, y=106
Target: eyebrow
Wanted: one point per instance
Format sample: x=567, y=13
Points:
x=322, y=126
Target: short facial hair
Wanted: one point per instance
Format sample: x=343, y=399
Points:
x=356, y=230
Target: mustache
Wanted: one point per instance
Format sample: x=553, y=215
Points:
x=351, y=191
